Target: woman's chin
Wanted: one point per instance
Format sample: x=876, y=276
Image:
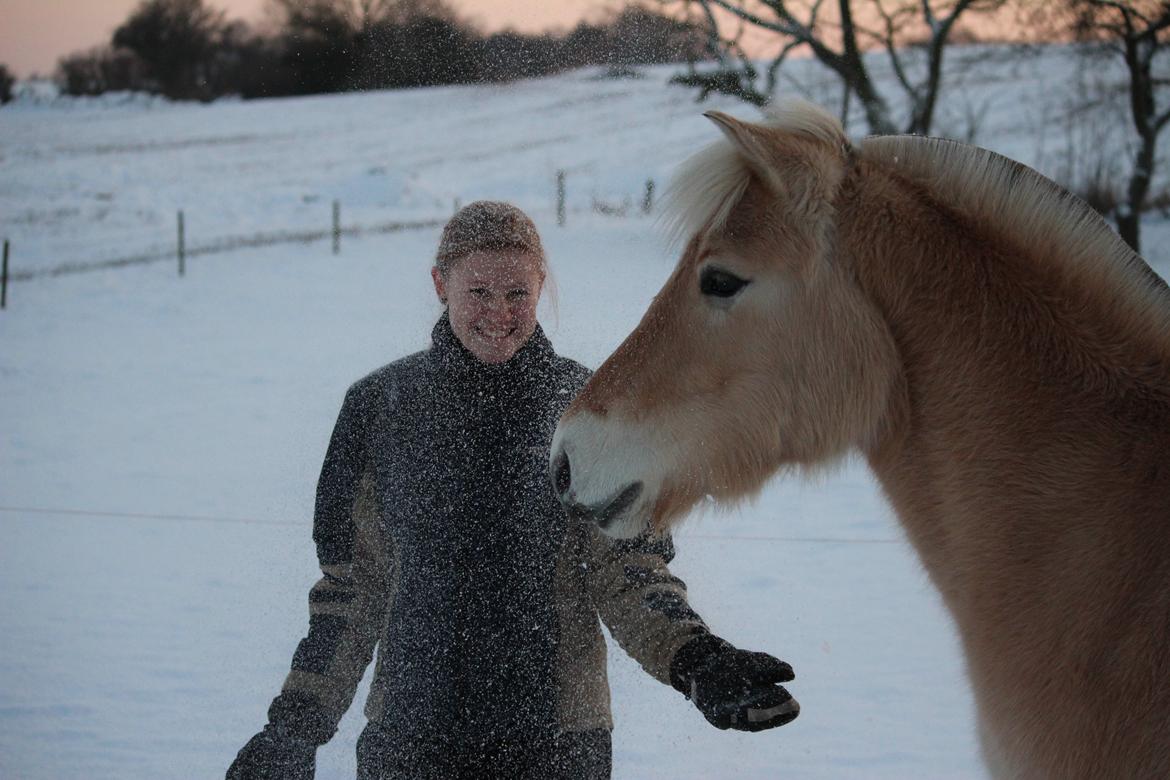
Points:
x=493, y=354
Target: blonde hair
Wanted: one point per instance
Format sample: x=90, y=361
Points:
x=488, y=225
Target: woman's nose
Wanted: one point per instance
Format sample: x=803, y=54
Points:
x=498, y=309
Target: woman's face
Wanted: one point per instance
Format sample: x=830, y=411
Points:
x=491, y=301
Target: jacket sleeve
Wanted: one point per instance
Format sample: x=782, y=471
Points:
x=643, y=605
x=347, y=605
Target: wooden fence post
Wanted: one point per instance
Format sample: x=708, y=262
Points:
x=336, y=227
x=561, y=198
x=4, y=279
x=182, y=250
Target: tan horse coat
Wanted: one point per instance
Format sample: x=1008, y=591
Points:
x=998, y=355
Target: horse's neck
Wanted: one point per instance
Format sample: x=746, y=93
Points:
x=1026, y=458
x=1022, y=410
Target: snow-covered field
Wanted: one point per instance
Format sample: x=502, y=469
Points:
x=161, y=436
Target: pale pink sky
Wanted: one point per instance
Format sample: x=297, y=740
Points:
x=34, y=34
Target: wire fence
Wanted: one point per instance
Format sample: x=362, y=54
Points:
x=181, y=251
x=298, y=524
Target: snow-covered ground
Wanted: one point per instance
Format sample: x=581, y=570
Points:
x=161, y=436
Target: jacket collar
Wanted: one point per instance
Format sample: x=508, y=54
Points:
x=530, y=362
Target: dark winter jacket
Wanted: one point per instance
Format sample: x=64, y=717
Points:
x=441, y=542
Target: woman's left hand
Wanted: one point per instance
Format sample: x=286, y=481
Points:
x=733, y=688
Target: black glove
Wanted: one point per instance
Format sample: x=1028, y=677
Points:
x=287, y=747
x=273, y=755
x=734, y=689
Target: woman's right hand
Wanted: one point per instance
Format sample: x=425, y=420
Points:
x=273, y=755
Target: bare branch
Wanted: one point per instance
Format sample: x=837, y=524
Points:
x=837, y=46
x=888, y=40
x=763, y=24
x=928, y=16
x=774, y=67
x=1126, y=27
x=1160, y=121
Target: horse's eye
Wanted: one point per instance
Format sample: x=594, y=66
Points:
x=720, y=284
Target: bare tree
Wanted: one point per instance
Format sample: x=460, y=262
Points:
x=357, y=16
x=912, y=33
x=175, y=39
x=335, y=45
x=6, y=82
x=1137, y=31
x=103, y=69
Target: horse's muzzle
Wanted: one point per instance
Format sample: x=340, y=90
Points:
x=603, y=513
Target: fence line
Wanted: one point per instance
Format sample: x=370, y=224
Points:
x=4, y=278
x=297, y=524
x=226, y=244
x=148, y=516
x=230, y=243
x=182, y=246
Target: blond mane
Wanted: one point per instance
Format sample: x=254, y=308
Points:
x=1040, y=217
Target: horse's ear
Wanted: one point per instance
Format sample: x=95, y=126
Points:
x=749, y=139
x=800, y=154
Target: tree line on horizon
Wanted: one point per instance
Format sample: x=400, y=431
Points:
x=187, y=50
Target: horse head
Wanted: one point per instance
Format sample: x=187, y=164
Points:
x=760, y=351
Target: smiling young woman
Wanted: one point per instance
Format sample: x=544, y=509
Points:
x=443, y=544
x=491, y=301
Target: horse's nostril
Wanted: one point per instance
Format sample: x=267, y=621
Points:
x=561, y=474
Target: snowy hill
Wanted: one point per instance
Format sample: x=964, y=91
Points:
x=93, y=179
x=161, y=437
